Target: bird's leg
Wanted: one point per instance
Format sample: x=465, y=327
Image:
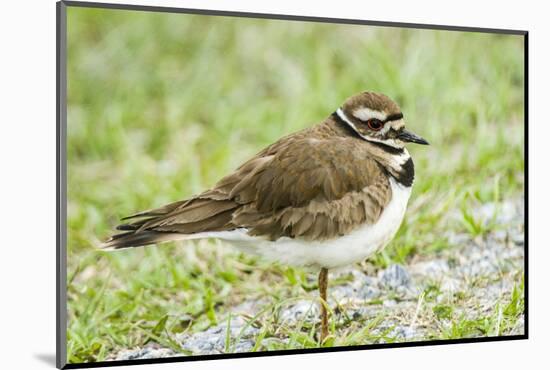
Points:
x=323, y=284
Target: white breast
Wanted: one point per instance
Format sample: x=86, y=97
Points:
x=354, y=247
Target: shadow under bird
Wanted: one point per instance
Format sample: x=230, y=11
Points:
x=326, y=196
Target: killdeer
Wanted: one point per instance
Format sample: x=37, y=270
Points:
x=326, y=196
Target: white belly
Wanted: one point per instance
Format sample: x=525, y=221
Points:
x=354, y=247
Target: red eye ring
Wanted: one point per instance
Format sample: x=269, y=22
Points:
x=375, y=124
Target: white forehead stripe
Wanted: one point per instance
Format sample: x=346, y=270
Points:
x=396, y=125
x=364, y=114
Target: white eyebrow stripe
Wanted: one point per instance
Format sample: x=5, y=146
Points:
x=364, y=114
x=344, y=118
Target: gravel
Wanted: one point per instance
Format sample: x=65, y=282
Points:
x=300, y=311
x=214, y=340
x=394, y=277
x=485, y=268
x=145, y=353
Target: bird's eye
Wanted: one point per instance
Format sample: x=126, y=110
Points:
x=375, y=124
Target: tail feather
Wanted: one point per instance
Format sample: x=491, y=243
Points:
x=132, y=239
x=127, y=227
x=189, y=219
x=158, y=211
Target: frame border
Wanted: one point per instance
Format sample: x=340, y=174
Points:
x=61, y=184
x=286, y=352
x=226, y=13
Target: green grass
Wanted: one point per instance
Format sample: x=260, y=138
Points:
x=160, y=106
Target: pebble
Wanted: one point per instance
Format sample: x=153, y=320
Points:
x=501, y=213
x=213, y=340
x=300, y=311
x=434, y=269
x=518, y=239
x=403, y=332
x=144, y=353
x=361, y=288
x=394, y=276
x=458, y=239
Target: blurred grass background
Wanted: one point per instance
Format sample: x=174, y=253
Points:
x=160, y=106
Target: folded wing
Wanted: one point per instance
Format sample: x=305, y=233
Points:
x=300, y=188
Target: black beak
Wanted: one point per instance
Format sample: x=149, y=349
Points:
x=411, y=138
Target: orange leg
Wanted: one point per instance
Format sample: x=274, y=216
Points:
x=323, y=285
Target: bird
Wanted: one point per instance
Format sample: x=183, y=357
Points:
x=327, y=196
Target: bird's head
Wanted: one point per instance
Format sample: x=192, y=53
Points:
x=377, y=118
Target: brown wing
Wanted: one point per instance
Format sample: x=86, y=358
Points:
x=298, y=187
x=312, y=189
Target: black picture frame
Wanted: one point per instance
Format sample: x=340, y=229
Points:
x=61, y=186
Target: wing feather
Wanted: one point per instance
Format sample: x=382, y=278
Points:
x=298, y=188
